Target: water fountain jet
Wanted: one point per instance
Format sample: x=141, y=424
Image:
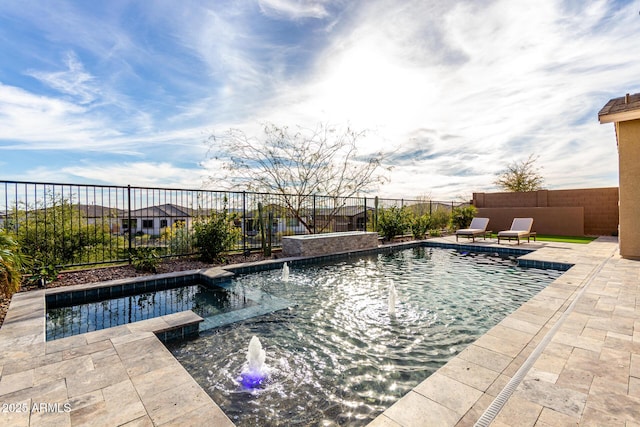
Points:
x=256, y=372
x=285, y=272
x=392, y=299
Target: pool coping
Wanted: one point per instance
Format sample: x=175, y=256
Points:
x=125, y=374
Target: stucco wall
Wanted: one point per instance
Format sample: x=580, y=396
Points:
x=599, y=209
x=629, y=154
x=557, y=221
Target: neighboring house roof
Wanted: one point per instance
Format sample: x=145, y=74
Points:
x=166, y=210
x=97, y=211
x=621, y=109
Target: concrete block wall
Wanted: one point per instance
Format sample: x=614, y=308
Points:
x=599, y=205
x=555, y=221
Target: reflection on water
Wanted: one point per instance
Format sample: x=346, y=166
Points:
x=338, y=357
x=92, y=316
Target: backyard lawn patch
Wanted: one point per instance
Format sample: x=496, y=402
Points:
x=565, y=239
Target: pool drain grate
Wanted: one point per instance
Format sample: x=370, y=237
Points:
x=498, y=403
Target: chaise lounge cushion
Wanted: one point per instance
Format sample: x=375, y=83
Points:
x=477, y=227
x=520, y=227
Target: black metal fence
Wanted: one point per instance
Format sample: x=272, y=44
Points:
x=77, y=224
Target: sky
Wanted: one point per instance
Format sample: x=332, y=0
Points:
x=128, y=92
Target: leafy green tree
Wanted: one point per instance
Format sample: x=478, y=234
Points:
x=393, y=221
x=520, y=176
x=461, y=216
x=11, y=264
x=440, y=219
x=55, y=232
x=215, y=234
x=420, y=225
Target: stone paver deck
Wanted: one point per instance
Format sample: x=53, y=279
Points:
x=569, y=356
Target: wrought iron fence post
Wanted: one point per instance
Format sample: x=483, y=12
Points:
x=314, y=214
x=244, y=222
x=129, y=219
x=366, y=214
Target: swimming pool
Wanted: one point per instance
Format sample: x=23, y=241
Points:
x=204, y=300
x=338, y=357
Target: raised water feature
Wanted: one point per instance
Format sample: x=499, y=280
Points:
x=322, y=244
x=339, y=356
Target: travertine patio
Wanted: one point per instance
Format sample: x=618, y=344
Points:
x=570, y=355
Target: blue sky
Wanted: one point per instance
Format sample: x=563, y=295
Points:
x=126, y=92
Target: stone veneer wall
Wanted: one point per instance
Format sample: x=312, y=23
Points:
x=599, y=205
x=322, y=244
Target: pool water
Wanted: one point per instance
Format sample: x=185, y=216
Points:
x=204, y=300
x=337, y=357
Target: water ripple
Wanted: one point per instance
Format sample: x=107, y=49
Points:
x=338, y=357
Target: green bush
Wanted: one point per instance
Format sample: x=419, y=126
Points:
x=54, y=232
x=11, y=264
x=145, y=259
x=461, y=216
x=42, y=273
x=440, y=219
x=420, y=226
x=393, y=221
x=215, y=235
x=179, y=238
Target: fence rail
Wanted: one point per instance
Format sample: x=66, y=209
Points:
x=79, y=224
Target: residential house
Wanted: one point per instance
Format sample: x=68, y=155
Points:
x=344, y=218
x=153, y=219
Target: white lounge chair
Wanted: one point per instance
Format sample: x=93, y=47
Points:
x=520, y=228
x=478, y=227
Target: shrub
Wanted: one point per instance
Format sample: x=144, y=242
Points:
x=179, y=238
x=440, y=219
x=42, y=273
x=54, y=232
x=420, y=226
x=461, y=216
x=11, y=263
x=215, y=234
x=145, y=259
x=393, y=221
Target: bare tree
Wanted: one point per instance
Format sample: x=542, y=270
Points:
x=297, y=164
x=521, y=176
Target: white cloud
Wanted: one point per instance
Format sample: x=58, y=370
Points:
x=294, y=9
x=152, y=174
x=38, y=121
x=508, y=79
x=74, y=81
x=458, y=88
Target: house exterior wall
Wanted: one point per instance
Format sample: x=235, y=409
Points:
x=156, y=229
x=599, y=207
x=629, y=166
